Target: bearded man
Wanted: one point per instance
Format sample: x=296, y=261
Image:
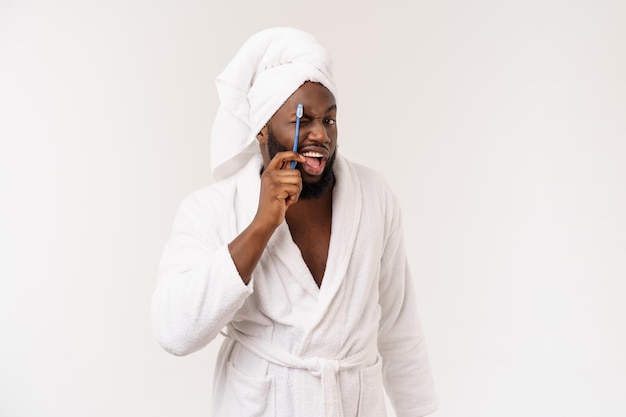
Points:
x=305, y=267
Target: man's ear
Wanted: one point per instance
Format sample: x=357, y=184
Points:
x=262, y=135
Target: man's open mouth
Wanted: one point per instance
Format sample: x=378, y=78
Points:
x=315, y=163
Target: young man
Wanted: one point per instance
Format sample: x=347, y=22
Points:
x=305, y=267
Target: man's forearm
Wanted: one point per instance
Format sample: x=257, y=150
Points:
x=247, y=248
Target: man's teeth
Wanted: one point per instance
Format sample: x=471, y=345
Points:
x=312, y=154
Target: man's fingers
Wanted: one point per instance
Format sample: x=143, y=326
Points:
x=282, y=160
x=279, y=184
x=284, y=176
x=283, y=185
x=289, y=192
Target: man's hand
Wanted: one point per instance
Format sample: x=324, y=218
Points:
x=280, y=188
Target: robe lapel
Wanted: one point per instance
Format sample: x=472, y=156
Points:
x=284, y=250
x=347, y=205
x=347, y=210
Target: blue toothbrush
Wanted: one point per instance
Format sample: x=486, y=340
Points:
x=299, y=112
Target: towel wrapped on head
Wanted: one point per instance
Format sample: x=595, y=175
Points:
x=266, y=71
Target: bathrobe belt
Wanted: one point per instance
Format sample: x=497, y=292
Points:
x=326, y=369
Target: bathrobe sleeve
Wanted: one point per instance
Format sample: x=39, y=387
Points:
x=199, y=289
x=406, y=371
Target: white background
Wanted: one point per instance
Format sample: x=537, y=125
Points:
x=500, y=125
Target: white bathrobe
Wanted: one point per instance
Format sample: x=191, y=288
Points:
x=293, y=349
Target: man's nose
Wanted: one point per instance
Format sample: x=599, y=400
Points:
x=317, y=132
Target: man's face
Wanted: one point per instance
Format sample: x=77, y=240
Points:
x=317, y=139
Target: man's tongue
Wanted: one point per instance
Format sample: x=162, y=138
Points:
x=313, y=166
x=313, y=162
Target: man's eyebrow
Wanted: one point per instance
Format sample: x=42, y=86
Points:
x=309, y=116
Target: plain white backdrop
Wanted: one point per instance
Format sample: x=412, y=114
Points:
x=500, y=124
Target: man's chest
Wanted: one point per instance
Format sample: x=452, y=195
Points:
x=313, y=242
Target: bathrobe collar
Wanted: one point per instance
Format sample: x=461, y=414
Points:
x=347, y=203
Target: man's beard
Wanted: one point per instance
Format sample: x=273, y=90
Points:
x=310, y=190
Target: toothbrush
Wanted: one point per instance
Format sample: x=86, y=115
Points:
x=299, y=112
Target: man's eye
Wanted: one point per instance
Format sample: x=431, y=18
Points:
x=330, y=121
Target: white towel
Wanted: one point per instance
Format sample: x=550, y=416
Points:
x=266, y=71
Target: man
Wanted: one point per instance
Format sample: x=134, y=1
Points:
x=305, y=267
